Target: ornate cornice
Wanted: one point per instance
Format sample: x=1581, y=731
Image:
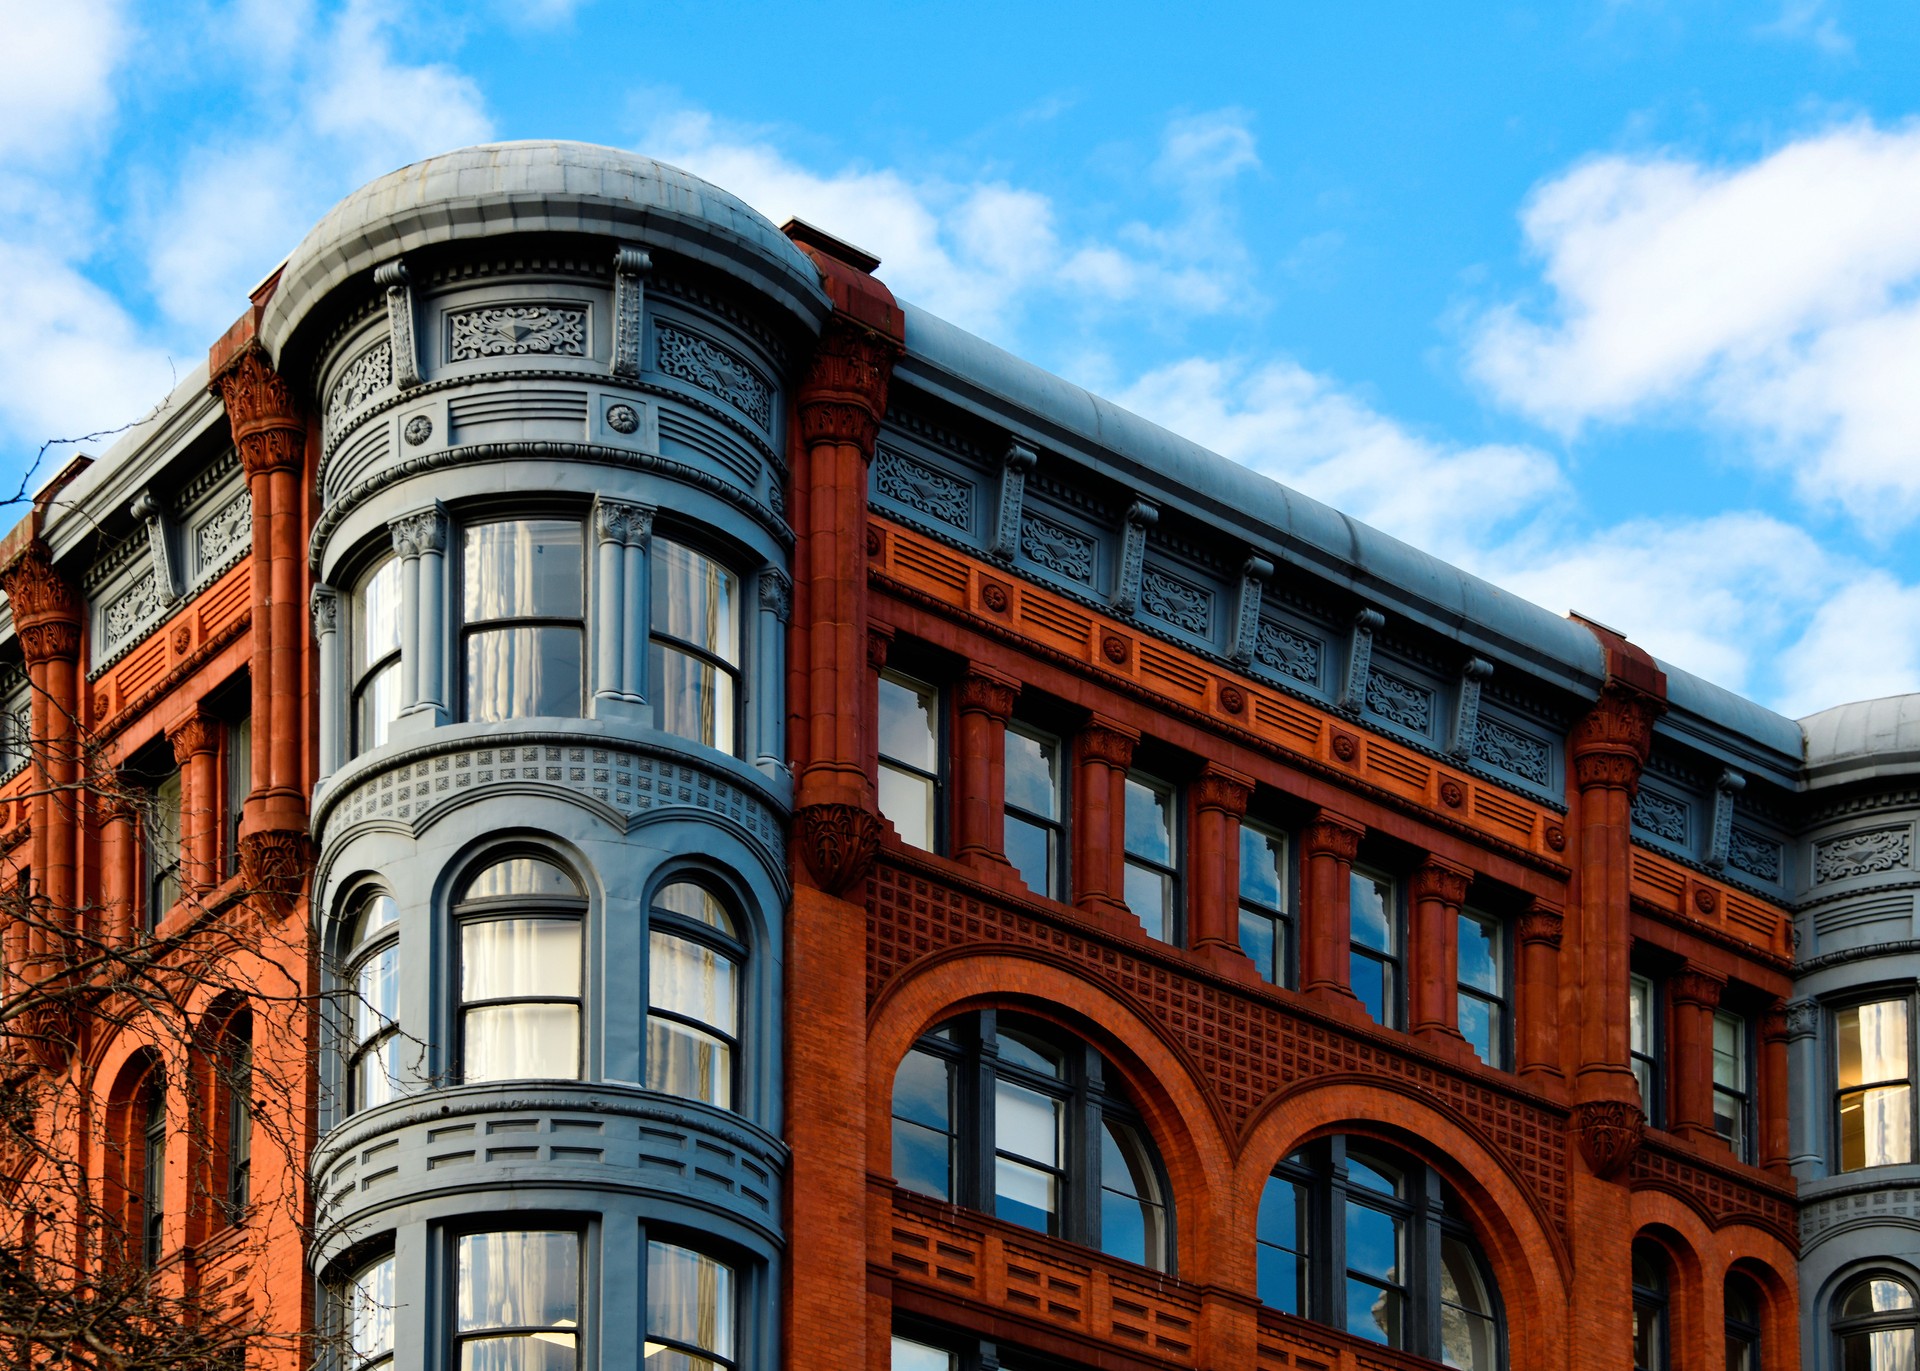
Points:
x=845, y=394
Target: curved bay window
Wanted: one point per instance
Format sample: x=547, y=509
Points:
x=1743, y=1306
x=1650, y=1286
x=519, y=933
x=1874, y=1104
x=1874, y=1322
x=694, y=955
x=376, y=655
x=690, y=1310
x=516, y=1302
x=695, y=655
x=372, y=1018
x=1011, y=1116
x=523, y=584
x=367, y=1316
x=1372, y=1241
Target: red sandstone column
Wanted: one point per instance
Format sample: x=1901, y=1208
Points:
x=1537, y=1039
x=1328, y=846
x=1437, y=891
x=1103, y=750
x=117, y=853
x=1695, y=994
x=985, y=702
x=196, y=748
x=1220, y=799
x=1773, y=1103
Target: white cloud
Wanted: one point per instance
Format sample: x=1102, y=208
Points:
x=1808, y=21
x=1863, y=642
x=1769, y=300
x=56, y=69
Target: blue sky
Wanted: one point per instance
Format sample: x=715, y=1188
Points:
x=1616, y=302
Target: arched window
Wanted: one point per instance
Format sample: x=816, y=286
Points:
x=1874, y=1321
x=376, y=655
x=233, y=1114
x=1743, y=1301
x=1650, y=1286
x=1008, y=1115
x=694, y=955
x=696, y=645
x=518, y=922
x=150, y=1204
x=373, y=981
x=367, y=1323
x=1365, y=1238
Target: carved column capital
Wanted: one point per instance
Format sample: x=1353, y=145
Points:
x=263, y=412
x=1223, y=790
x=618, y=521
x=1774, y=1027
x=981, y=692
x=1541, y=924
x=46, y=607
x=1610, y=1133
x=50, y=642
x=776, y=594
x=839, y=843
x=420, y=532
x=1101, y=741
x=879, y=646
x=1701, y=989
x=1612, y=740
x=845, y=393
x=1332, y=835
x=324, y=605
x=1438, y=879
x=192, y=736
x=1801, y=1018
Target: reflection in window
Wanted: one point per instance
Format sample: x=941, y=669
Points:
x=909, y=1354
x=1011, y=1116
x=693, y=1014
x=520, y=973
x=517, y=1302
x=696, y=645
x=376, y=656
x=690, y=1311
x=1876, y=1089
x=909, y=722
x=373, y=1012
x=1152, y=826
x=368, y=1306
x=1374, y=960
x=1743, y=1323
x=1643, y=1043
x=522, y=638
x=1732, y=1088
x=153, y=1166
x=234, y=1077
x=1649, y=1307
x=160, y=850
x=239, y=772
x=1266, y=924
x=1874, y=1321
x=1483, y=986
x=1034, y=810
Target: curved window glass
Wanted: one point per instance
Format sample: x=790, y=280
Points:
x=690, y=1310
x=1649, y=1307
x=373, y=978
x=368, y=1303
x=1743, y=1303
x=519, y=927
x=1013, y=1117
x=1875, y=1102
x=696, y=645
x=517, y=1302
x=1874, y=1321
x=523, y=595
x=693, y=1017
x=1369, y=1240
x=376, y=655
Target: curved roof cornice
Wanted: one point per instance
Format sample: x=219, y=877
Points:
x=1863, y=741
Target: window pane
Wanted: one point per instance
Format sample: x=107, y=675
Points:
x=917, y=1356
x=376, y=1075
x=519, y=1280
x=376, y=707
x=1730, y=1052
x=1149, y=894
x=1373, y=984
x=693, y=698
x=1876, y=1127
x=520, y=876
x=377, y=913
x=1031, y=1051
x=1282, y=1222
x=1480, y=954
x=1480, y=1025
x=696, y=600
x=694, y=981
x=1373, y=921
x=1033, y=774
x=1873, y=1042
x=1374, y=1313
x=1377, y=1177
x=689, y=1300
x=922, y=1090
x=1373, y=1243
x=515, y=673
x=1640, y=1015
x=909, y=723
x=1261, y=939
x=907, y=801
x=519, y=1042
x=923, y=1159
x=1643, y=1077
x=377, y=993
x=1149, y=821
x=1875, y=1297
x=1025, y=1195
x=1026, y=1123
x=379, y=615
x=695, y=902
x=527, y=1352
x=1031, y=850
x=1889, y=1349
x=1263, y=867
x=1130, y=1212
x=523, y=568
x=370, y=1301
x=683, y=1061
x=504, y=958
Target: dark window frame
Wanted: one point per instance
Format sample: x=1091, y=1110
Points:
x=467, y=630
x=1503, y=961
x=1174, y=934
x=1656, y=1301
x=584, y=1232
x=365, y=675
x=236, y=774
x=1394, y=999
x=470, y=910
x=939, y=777
x=1744, y=1345
x=1285, y=970
x=152, y=1099
x=357, y=957
x=1743, y=1143
x=659, y=640
x=1840, y=1328
x=1655, y=1056
x=233, y=1064
x=1838, y=1093
x=731, y=946
x=1059, y=868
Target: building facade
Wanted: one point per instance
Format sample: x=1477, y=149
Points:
x=751, y=828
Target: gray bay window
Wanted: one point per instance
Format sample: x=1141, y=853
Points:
x=520, y=969
x=522, y=629
x=695, y=660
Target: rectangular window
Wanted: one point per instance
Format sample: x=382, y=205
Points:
x=238, y=1065
x=1732, y=1089
x=924, y=1137
x=1374, y=958
x=520, y=994
x=1152, y=837
x=1376, y=1280
x=1028, y=1131
x=695, y=663
x=1483, y=986
x=517, y=1302
x=909, y=734
x=1282, y=1246
x=1266, y=921
x=1034, y=836
x=239, y=786
x=693, y=1018
x=523, y=586
x=911, y=1355
x=376, y=656
x=1643, y=1043
x=1875, y=1106
x=161, y=850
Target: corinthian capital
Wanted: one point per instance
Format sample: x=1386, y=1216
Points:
x=41, y=597
x=1613, y=739
x=845, y=393
x=262, y=410
x=420, y=532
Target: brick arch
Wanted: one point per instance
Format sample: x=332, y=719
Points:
x=1526, y=1257
x=1178, y=1115
x=1780, y=1312
x=1695, y=1296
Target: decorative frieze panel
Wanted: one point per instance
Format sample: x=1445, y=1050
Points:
x=1869, y=1208
x=227, y=533
x=1862, y=854
x=1400, y=701
x=1291, y=654
x=1056, y=547
x=516, y=331
x=717, y=370
x=128, y=612
x=1508, y=749
x=1660, y=815
x=1174, y=601
x=1756, y=855
x=923, y=489
x=365, y=376
x=1725, y=1198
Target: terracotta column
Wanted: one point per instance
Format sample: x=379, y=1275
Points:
x=1437, y=891
x=1774, y=1104
x=1537, y=1032
x=118, y=854
x=1328, y=846
x=1103, y=750
x=1694, y=996
x=985, y=703
x=196, y=748
x=1220, y=799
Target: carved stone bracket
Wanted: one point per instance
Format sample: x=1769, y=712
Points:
x=1020, y=459
x=324, y=605
x=1698, y=988
x=392, y=277
x=845, y=393
x=630, y=268
x=618, y=521
x=1802, y=1018
x=1609, y=1133
x=1466, y=707
x=1612, y=740
x=263, y=413
x=1141, y=516
x=1353, y=690
x=1731, y=783
x=1539, y=925
x=274, y=863
x=152, y=512
x=1246, y=620
x=839, y=843
x=776, y=594
x=1101, y=743
x=1773, y=1023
